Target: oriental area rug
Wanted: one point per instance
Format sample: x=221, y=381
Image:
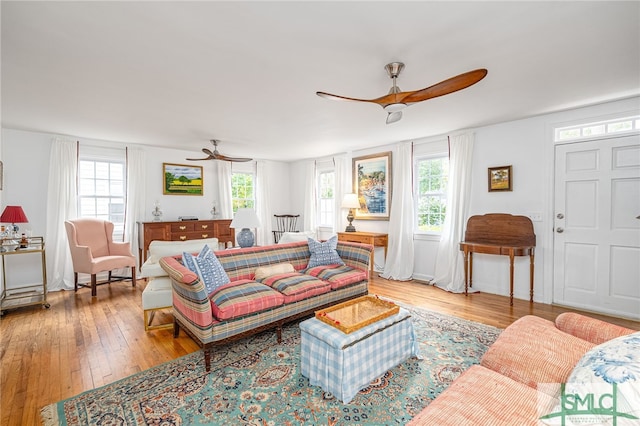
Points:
x=257, y=381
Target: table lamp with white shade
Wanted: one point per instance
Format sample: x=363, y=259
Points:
x=245, y=219
x=350, y=201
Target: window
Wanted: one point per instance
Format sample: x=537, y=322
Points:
x=326, y=201
x=243, y=191
x=589, y=130
x=432, y=176
x=101, y=192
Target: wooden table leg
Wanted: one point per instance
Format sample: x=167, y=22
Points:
x=511, y=256
x=466, y=271
x=531, y=256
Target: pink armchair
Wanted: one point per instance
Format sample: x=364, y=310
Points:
x=93, y=251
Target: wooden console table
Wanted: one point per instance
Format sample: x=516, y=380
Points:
x=501, y=234
x=373, y=238
x=182, y=231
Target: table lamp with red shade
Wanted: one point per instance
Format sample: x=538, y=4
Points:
x=13, y=215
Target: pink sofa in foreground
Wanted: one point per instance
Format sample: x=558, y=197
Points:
x=503, y=389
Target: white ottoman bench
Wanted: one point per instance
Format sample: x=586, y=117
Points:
x=342, y=364
x=157, y=295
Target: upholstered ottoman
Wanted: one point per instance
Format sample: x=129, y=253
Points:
x=157, y=295
x=342, y=364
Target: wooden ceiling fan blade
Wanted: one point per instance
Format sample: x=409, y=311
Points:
x=445, y=87
x=342, y=98
x=232, y=159
x=200, y=159
x=208, y=152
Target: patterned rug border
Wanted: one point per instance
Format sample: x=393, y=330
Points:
x=50, y=413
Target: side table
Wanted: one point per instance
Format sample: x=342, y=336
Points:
x=376, y=239
x=35, y=294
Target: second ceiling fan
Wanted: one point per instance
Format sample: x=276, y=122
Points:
x=215, y=155
x=396, y=100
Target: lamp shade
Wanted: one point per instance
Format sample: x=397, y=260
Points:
x=350, y=201
x=245, y=218
x=13, y=214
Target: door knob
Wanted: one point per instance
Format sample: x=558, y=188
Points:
x=560, y=216
x=559, y=230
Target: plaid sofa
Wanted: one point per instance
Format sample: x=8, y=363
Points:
x=246, y=306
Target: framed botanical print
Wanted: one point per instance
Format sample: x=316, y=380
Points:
x=372, y=184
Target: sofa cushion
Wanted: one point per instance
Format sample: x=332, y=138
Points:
x=243, y=297
x=208, y=268
x=532, y=350
x=483, y=397
x=338, y=276
x=296, y=286
x=324, y=253
x=291, y=237
x=267, y=271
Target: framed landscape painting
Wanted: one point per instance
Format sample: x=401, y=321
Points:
x=372, y=184
x=500, y=178
x=180, y=179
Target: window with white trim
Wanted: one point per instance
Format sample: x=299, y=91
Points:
x=431, y=178
x=243, y=190
x=326, y=198
x=101, y=192
x=599, y=128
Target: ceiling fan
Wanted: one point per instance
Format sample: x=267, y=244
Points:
x=395, y=101
x=215, y=155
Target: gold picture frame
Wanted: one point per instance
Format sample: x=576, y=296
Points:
x=181, y=179
x=501, y=178
x=372, y=184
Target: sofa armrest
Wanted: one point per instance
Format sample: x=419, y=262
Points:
x=190, y=298
x=355, y=255
x=589, y=329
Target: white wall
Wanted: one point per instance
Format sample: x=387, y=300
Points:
x=26, y=168
x=527, y=145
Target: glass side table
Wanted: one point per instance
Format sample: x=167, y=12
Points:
x=34, y=294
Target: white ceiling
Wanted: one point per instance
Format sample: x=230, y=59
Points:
x=178, y=73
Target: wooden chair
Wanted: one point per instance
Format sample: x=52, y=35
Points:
x=93, y=251
x=284, y=223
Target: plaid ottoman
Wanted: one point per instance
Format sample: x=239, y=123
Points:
x=342, y=364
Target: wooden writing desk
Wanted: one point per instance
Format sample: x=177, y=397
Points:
x=501, y=234
x=373, y=238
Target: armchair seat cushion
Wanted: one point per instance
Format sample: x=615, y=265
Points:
x=108, y=263
x=243, y=297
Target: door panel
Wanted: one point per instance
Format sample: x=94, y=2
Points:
x=597, y=234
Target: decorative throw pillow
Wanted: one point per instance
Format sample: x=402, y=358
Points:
x=266, y=271
x=324, y=253
x=208, y=268
x=616, y=362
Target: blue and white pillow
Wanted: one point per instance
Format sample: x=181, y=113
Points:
x=324, y=253
x=208, y=268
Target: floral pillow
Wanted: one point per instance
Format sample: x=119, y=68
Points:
x=208, y=268
x=324, y=253
x=614, y=362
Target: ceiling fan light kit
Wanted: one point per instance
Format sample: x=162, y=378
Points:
x=396, y=100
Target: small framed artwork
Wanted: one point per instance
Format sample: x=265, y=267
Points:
x=500, y=178
x=372, y=183
x=180, y=179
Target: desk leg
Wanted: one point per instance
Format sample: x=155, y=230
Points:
x=373, y=255
x=470, y=269
x=466, y=271
x=511, y=256
x=531, y=256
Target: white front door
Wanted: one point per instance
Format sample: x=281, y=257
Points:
x=597, y=226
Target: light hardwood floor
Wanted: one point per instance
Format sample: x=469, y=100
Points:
x=80, y=343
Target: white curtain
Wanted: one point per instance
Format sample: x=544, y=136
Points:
x=400, y=256
x=264, y=236
x=136, y=184
x=449, y=273
x=61, y=205
x=310, y=198
x=224, y=204
x=342, y=182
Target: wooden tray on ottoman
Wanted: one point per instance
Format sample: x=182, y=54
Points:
x=354, y=314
